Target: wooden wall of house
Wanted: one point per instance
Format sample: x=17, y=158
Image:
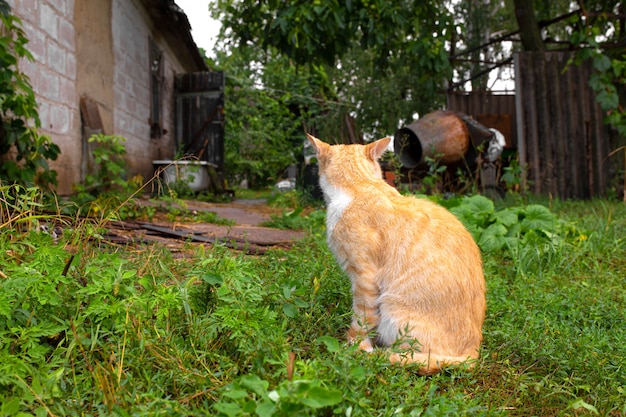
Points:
x=561, y=136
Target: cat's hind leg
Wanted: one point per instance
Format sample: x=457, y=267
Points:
x=364, y=305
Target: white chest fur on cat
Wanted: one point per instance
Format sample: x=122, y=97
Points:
x=337, y=201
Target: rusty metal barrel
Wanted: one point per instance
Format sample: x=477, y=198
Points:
x=441, y=134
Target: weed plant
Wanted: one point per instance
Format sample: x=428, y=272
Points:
x=92, y=329
x=184, y=214
x=299, y=211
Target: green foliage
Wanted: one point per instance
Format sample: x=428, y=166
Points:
x=560, y=317
x=512, y=175
x=107, y=193
x=109, y=157
x=608, y=77
x=88, y=329
x=433, y=180
x=325, y=30
x=24, y=153
x=296, y=212
x=296, y=220
x=20, y=207
x=184, y=214
x=250, y=395
x=288, y=85
x=476, y=23
x=411, y=82
x=510, y=228
x=261, y=138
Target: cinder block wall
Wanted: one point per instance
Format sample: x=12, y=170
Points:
x=132, y=31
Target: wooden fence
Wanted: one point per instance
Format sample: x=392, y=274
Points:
x=554, y=123
x=491, y=110
x=562, y=139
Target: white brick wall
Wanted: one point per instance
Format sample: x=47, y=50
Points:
x=132, y=83
x=131, y=34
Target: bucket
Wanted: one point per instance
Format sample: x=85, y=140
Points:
x=441, y=134
x=192, y=173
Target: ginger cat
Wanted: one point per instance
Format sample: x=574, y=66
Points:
x=416, y=272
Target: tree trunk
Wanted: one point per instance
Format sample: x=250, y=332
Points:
x=530, y=33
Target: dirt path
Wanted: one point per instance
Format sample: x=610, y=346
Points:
x=247, y=234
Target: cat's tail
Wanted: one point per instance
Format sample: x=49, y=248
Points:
x=432, y=363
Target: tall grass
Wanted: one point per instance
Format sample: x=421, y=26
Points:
x=88, y=328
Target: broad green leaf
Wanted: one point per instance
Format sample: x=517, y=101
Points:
x=318, y=397
x=537, y=217
x=515, y=230
x=462, y=213
x=596, y=82
x=290, y=310
x=236, y=394
x=506, y=217
x=331, y=343
x=212, y=279
x=601, y=62
x=511, y=242
x=266, y=409
x=255, y=384
x=300, y=303
x=474, y=212
x=10, y=408
x=249, y=407
x=230, y=409
x=474, y=230
x=492, y=238
x=449, y=203
x=608, y=99
x=479, y=205
x=358, y=372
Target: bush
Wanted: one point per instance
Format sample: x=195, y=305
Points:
x=24, y=153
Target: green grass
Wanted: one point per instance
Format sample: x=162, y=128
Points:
x=138, y=332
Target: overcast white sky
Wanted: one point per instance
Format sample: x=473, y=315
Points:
x=203, y=28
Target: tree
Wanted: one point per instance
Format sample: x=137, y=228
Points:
x=477, y=22
x=324, y=30
x=412, y=82
x=530, y=33
x=268, y=101
x=386, y=59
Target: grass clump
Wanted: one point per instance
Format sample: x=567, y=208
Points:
x=88, y=328
x=298, y=212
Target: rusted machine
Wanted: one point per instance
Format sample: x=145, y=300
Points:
x=447, y=136
x=452, y=139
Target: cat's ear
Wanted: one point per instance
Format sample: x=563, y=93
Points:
x=376, y=149
x=317, y=144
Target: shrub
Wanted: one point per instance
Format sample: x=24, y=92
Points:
x=24, y=153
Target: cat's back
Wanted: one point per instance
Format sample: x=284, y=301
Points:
x=389, y=218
